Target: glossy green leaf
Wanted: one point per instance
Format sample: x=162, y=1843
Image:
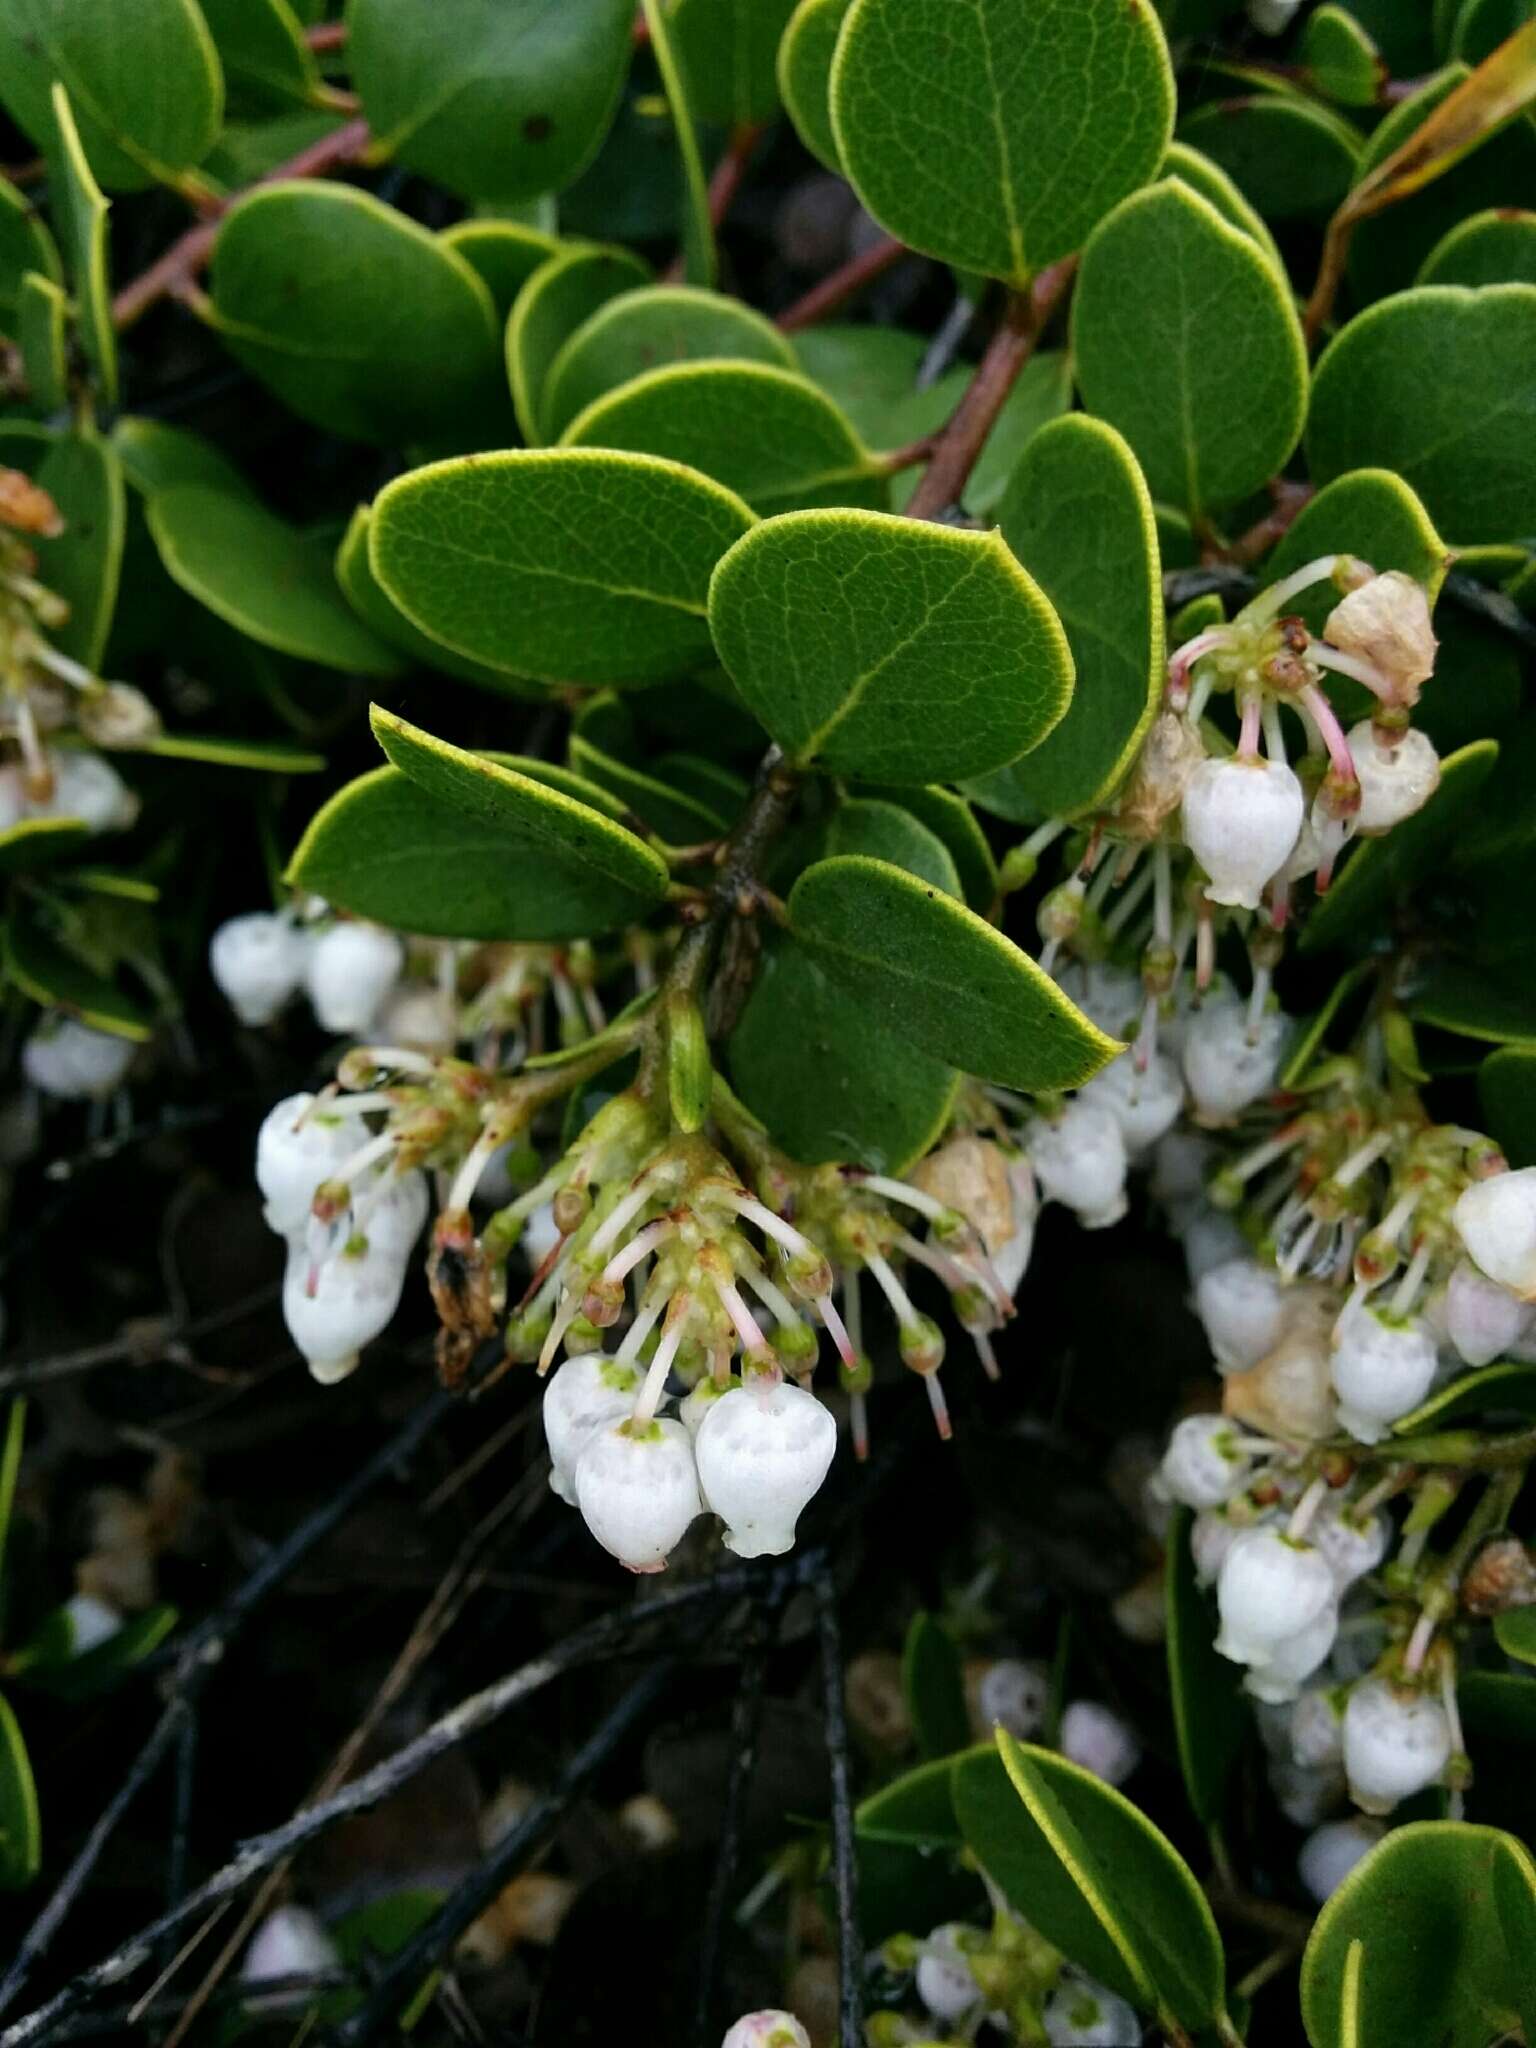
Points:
x=766, y=434
x=1442, y=1919
x=1187, y=341
x=1473, y=1002
x=842, y=1084
x=995, y=136
x=604, y=749
x=1481, y=25
x=886, y=831
x=1506, y=1085
x=1487, y=1391
x=1309, y=1042
x=265, y=757
x=889, y=648
x=1386, y=251
x=358, y=319
x=645, y=329
x=1095, y=1878
x=542, y=867
x=700, y=258
x=934, y=1689
x=1438, y=384
x=806, y=50
x=21, y=1842
x=1376, y=872
x=951, y=981
x=48, y=1661
x=261, y=575
x=156, y=456
x=144, y=82
x=1494, y=247
x=568, y=565
x=557, y=298
x=1370, y=513
x=262, y=49
x=1289, y=157
x=1515, y=1633
x=40, y=843
x=252, y=149
x=908, y=1844
x=41, y=318
x=728, y=50
x=25, y=244
x=503, y=253
x=1341, y=61
x=1196, y=170
x=953, y=823
x=42, y=969
x=1079, y=517
x=84, y=478
x=496, y=99
x=10, y=1466
x=1211, y=1718
x=80, y=220
x=385, y=620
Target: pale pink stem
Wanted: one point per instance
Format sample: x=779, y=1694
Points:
x=1354, y=667
x=1183, y=659
x=1340, y=759
x=827, y=1309
x=1248, y=736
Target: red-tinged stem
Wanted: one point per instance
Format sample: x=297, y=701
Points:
x=921, y=450
x=964, y=435
x=326, y=36
x=843, y=284
x=1288, y=499
x=726, y=181
x=170, y=274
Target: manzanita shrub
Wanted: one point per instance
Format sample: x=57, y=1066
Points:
x=1074, y=750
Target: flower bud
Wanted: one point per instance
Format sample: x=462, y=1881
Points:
x=1352, y=1547
x=1305, y=1796
x=638, y=1491
x=1241, y=820
x=762, y=1452
x=1395, y=781
x=1228, y=1068
x=767, y=2030
x=921, y=1343
x=945, y=1982
x=1316, y=1728
x=334, y=1309
x=1209, y=1240
x=1200, y=1469
x=1395, y=1743
x=1013, y=1693
x=1242, y=1305
x=1080, y=1160
x=258, y=962
x=351, y=969
x=75, y=1062
x=1109, y=996
x=289, y=1942
x=1270, y=1589
x=91, y=1623
x=1496, y=1219
x=582, y=1396
x=1331, y=1852
x=1279, y=1677
x=298, y=1146
x=1145, y=1103
x=1211, y=1535
x=698, y=1401
x=1383, y=1366
x=118, y=715
x=1482, y=1319
x=87, y=787
x=391, y=1219
x=1386, y=622
x=423, y=1018
x=1094, y=1737
x=1082, y=2014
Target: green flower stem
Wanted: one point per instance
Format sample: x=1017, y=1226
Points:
x=1465, y=1448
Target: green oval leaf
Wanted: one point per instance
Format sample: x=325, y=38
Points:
x=144, y=82
x=642, y=330
x=383, y=617
x=44, y=970
x=25, y=244
x=541, y=868
x=557, y=298
x=40, y=843
x=1289, y=157
x=951, y=982
x=1378, y=871
x=1213, y=184
x=934, y=1689
x=1096, y=1878
x=21, y=1843
x=888, y=832
x=1477, y=1004
x=80, y=218
x=603, y=748
x=1211, y=1718
x=1079, y=517
x=953, y=823
x=1439, y=384
x=269, y=581
x=496, y=99
x=265, y=757
x=908, y=1848
x=41, y=315
x=889, y=648
x=805, y=58
x=994, y=136
x=155, y=456
x=1340, y=59
x=1441, y=1916
x=358, y=319
x=728, y=49
x=262, y=49
x=503, y=253
x=864, y=1094
x=700, y=257
x=1370, y=513
x=83, y=476
x=1187, y=341
x=1487, y=1391
x=570, y=565
x=766, y=434
x=1497, y=246
x=1515, y=1633
x=1506, y=1085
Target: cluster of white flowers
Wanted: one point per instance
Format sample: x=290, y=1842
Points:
x=349, y=970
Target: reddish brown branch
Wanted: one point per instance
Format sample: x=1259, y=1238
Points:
x=326, y=36
x=836, y=290
x=170, y=274
x=1287, y=499
x=731, y=169
x=964, y=434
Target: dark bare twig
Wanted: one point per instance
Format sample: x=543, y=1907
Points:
x=845, y=1869
x=468, y=1901
x=142, y=1341
x=181, y=1816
